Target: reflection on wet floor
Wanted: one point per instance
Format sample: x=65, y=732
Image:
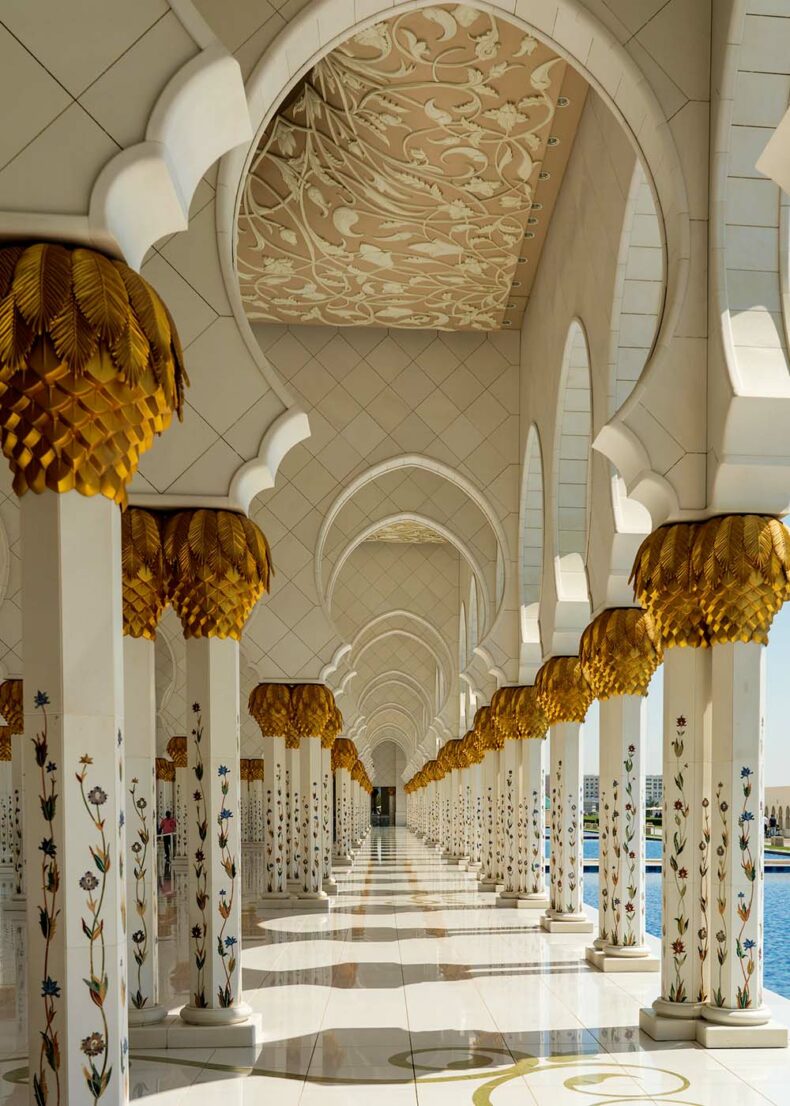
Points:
x=416, y=990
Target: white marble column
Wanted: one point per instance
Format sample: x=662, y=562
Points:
x=256, y=800
x=532, y=885
x=510, y=798
x=475, y=772
x=343, y=857
x=328, y=882
x=17, y=817
x=735, y=1009
x=139, y=682
x=488, y=864
x=294, y=846
x=566, y=910
x=213, y=833
x=274, y=820
x=311, y=893
x=623, y=721
x=74, y=798
x=690, y=922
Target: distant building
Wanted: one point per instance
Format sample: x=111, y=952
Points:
x=591, y=793
x=654, y=790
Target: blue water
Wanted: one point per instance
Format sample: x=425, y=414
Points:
x=777, y=913
x=591, y=849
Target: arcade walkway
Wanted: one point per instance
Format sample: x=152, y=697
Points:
x=416, y=991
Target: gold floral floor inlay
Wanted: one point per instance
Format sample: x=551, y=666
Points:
x=602, y=1082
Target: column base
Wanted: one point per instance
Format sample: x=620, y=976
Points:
x=607, y=961
x=565, y=923
x=488, y=885
x=342, y=861
x=329, y=887
x=507, y=899
x=277, y=900
x=474, y=866
x=736, y=1034
x=174, y=1032
x=662, y=1028
x=533, y=902
x=149, y=1015
x=16, y=904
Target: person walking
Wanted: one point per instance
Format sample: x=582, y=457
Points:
x=167, y=829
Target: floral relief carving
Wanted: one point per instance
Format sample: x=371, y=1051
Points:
x=676, y=927
x=400, y=185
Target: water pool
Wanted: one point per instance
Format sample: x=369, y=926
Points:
x=591, y=849
x=777, y=912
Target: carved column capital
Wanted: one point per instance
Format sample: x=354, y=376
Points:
x=218, y=566
x=11, y=706
x=562, y=690
x=619, y=652
x=143, y=575
x=90, y=369
x=177, y=751
x=715, y=581
x=165, y=769
x=344, y=754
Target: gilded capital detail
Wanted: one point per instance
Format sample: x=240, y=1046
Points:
x=142, y=573
x=218, y=566
x=177, y=751
x=717, y=581
x=562, y=690
x=619, y=652
x=294, y=711
x=90, y=369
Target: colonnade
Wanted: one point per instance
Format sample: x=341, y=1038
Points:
x=708, y=593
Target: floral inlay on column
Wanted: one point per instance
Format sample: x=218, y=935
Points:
x=226, y=943
x=573, y=857
x=745, y=946
x=630, y=847
x=140, y=850
x=200, y=930
x=48, y=912
x=537, y=845
x=678, y=925
x=98, y=1072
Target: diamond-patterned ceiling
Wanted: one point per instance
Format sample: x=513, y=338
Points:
x=409, y=179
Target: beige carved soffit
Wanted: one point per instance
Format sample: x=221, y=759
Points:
x=409, y=180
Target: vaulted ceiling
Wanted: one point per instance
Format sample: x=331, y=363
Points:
x=409, y=179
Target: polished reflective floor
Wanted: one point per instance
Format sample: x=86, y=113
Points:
x=416, y=990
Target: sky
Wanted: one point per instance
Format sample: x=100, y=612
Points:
x=777, y=712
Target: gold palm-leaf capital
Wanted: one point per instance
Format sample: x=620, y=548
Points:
x=218, y=564
x=562, y=690
x=165, y=769
x=664, y=584
x=344, y=754
x=740, y=571
x=177, y=751
x=142, y=572
x=270, y=706
x=529, y=717
x=619, y=652
x=333, y=726
x=12, y=706
x=313, y=708
x=91, y=369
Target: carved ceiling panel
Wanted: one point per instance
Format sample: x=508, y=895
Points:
x=404, y=532
x=410, y=178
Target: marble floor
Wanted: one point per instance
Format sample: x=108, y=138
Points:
x=416, y=991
